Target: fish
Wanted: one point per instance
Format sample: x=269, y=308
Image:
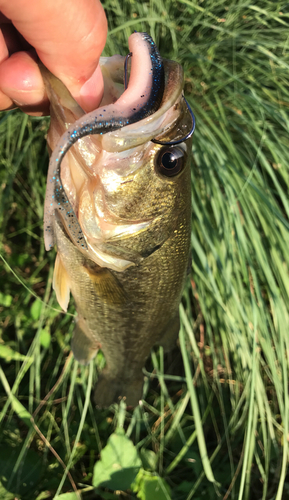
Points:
x=118, y=209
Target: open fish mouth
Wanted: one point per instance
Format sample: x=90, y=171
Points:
x=109, y=145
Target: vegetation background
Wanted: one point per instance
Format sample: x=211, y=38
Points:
x=214, y=419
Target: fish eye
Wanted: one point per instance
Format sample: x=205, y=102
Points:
x=170, y=161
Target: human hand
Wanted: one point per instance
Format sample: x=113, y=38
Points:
x=67, y=35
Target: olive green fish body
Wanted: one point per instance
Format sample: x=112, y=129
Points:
x=126, y=313
x=131, y=201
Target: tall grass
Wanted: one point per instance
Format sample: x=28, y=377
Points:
x=215, y=416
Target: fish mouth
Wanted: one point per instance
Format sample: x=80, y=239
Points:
x=126, y=119
x=159, y=124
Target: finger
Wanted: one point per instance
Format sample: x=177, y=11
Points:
x=21, y=83
x=68, y=36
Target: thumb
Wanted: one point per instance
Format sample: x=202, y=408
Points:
x=68, y=36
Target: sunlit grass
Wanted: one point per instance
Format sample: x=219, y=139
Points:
x=214, y=418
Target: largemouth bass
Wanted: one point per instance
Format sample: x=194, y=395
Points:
x=118, y=209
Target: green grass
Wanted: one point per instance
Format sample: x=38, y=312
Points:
x=214, y=421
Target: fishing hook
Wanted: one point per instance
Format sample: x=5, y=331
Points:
x=173, y=143
x=164, y=143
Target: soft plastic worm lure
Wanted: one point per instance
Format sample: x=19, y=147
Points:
x=163, y=143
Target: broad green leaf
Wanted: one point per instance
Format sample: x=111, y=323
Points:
x=150, y=486
x=118, y=465
x=149, y=459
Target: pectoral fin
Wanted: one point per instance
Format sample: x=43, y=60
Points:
x=65, y=107
x=84, y=344
x=107, y=286
x=61, y=283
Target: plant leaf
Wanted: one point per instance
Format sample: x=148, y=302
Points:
x=149, y=486
x=118, y=465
